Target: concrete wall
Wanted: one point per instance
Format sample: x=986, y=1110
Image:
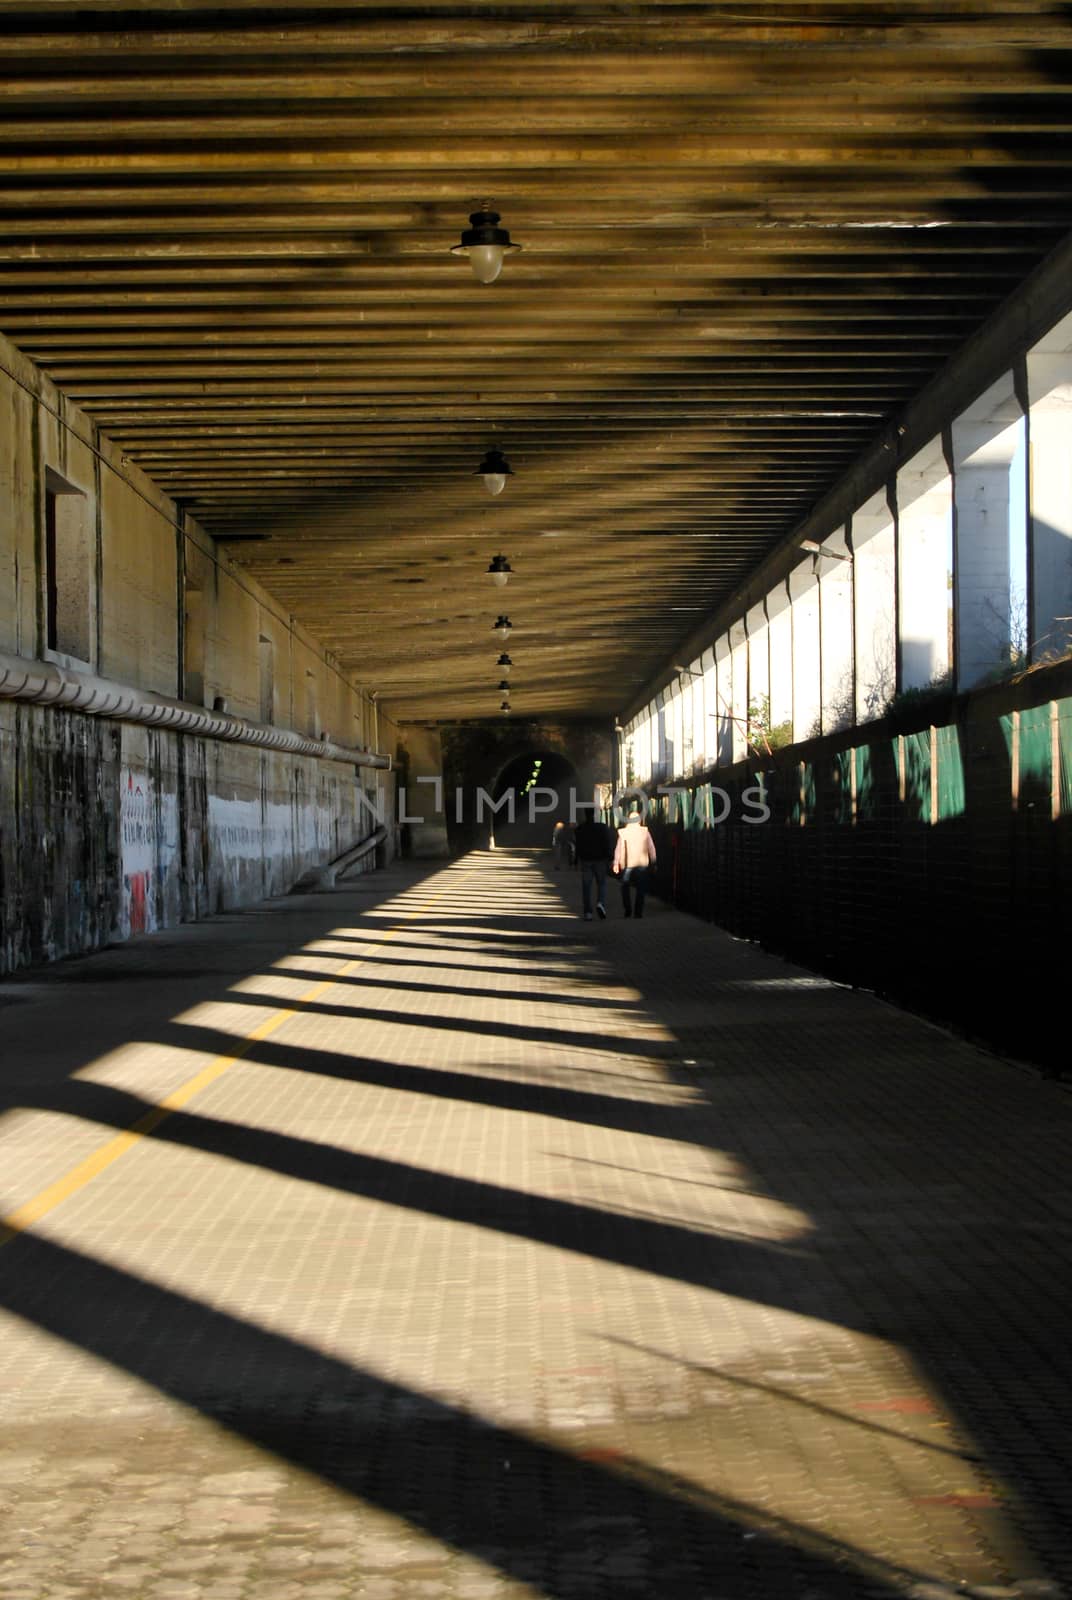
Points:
x=423, y=821
x=109, y=830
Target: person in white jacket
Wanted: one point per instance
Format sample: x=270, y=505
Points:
x=634, y=856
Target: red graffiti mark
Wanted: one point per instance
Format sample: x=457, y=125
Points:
x=139, y=889
x=601, y=1454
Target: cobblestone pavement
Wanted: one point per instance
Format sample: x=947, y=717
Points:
x=421, y=1241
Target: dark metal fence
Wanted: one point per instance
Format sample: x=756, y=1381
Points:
x=931, y=864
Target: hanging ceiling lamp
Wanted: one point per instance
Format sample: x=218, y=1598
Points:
x=499, y=570
x=504, y=685
x=494, y=469
x=503, y=627
x=505, y=663
x=485, y=243
x=505, y=707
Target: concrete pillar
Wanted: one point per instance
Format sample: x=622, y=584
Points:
x=648, y=736
x=633, y=742
x=739, y=699
x=925, y=569
x=837, y=676
x=1049, y=383
x=660, y=741
x=312, y=720
x=692, y=710
x=629, y=749
x=780, y=634
x=424, y=819
x=677, y=730
x=709, y=722
x=874, y=547
x=807, y=699
x=644, y=754
x=755, y=624
x=986, y=440
x=685, y=700
x=724, y=696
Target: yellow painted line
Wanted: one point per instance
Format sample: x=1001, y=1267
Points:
x=24, y=1216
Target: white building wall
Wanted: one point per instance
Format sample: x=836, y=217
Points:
x=755, y=623
x=838, y=687
x=677, y=732
x=739, y=723
x=710, y=708
x=647, y=746
x=925, y=576
x=986, y=438
x=1049, y=381
x=724, y=692
x=874, y=545
x=807, y=688
x=780, y=633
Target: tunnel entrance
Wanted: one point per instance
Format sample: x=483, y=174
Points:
x=540, y=765
x=542, y=784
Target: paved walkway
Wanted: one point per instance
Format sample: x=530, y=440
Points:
x=423, y=1242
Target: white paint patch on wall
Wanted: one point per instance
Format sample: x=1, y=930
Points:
x=149, y=840
x=244, y=831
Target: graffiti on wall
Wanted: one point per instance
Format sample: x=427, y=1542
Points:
x=136, y=832
x=148, y=833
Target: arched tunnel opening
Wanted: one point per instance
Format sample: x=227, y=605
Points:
x=530, y=793
x=542, y=785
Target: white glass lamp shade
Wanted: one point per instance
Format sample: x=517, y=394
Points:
x=486, y=261
x=495, y=469
x=485, y=243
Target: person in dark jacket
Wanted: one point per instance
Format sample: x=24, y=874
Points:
x=594, y=842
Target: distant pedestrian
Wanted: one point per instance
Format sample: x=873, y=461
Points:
x=559, y=844
x=634, y=855
x=594, y=843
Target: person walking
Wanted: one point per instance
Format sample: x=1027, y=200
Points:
x=634, y=856
x=559, y=844
x=594, y=843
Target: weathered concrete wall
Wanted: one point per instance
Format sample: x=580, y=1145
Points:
x=109, y=830
x=423, y=822
x=60, y=850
